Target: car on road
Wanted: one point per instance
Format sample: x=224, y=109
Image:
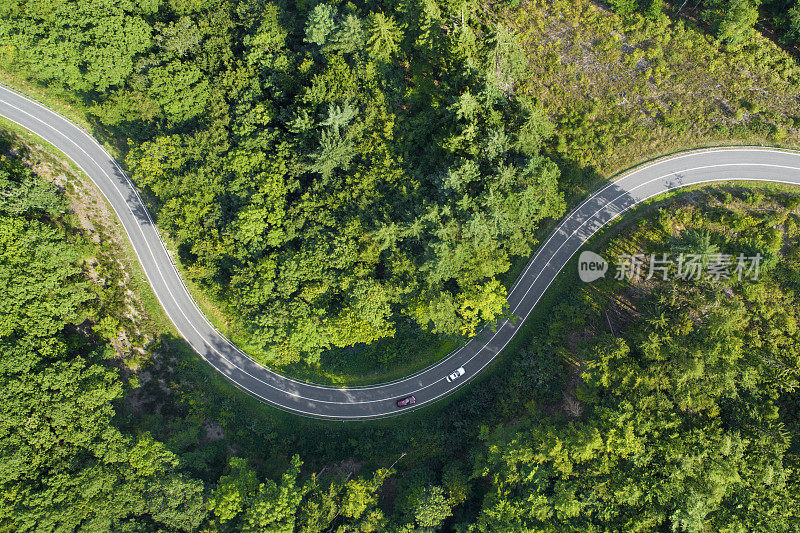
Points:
x=456, y=374
x=406, y=401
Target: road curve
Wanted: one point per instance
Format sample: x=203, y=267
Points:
x=428, y=385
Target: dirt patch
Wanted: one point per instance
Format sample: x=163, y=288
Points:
x=347, y=468
x=214, y=431
x=574, y=339
x=388, y=494
x=91, y=216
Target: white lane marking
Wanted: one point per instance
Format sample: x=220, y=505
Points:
x=533, y=261
x=160, y=272
x=522, y=320
x=629, y=191
x=175, y=301
x=632, y=172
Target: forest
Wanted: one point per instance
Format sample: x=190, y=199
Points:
x=323, y=170
x=637, y=405
x=333, y=176
x=730, y=21
x=349, y=178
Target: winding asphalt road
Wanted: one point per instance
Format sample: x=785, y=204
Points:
x=428, y=385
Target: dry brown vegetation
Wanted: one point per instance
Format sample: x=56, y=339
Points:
x=625, y=90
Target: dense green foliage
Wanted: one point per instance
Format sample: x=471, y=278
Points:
x=678, y=412
x=682, y=416
x=63, y=466
x=326, y=170
x=785, y=15
x=68, y=460
x=732, y=22
x=338, y=173
x=65, y=462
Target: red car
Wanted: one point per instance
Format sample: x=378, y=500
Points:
x=406, y=401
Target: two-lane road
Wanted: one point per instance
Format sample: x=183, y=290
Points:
x=427, y=385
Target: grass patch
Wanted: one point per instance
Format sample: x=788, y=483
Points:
x=621, y=90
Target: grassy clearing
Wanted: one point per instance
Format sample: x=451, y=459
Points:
x=623, y=90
